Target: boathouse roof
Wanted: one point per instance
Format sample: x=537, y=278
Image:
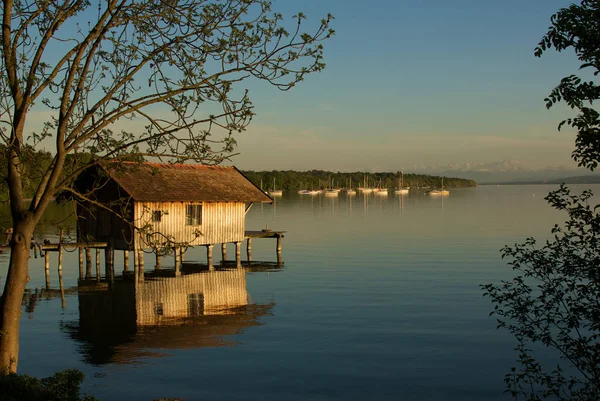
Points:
x=163, y=182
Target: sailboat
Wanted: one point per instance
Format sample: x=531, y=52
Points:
x=438, y=192
x=350, y=191
x=330, y=191
x=365, y=189
x=275, y=192
x=379, y=190
x=444, y=191
x=401, y=190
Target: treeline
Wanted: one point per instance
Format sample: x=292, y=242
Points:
x=35, y=162
x=319, y=179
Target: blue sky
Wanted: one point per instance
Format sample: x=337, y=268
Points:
x=417, y=83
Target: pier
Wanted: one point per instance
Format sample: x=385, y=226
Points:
x=90, y=266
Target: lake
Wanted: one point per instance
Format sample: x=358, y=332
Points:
x=378, y=298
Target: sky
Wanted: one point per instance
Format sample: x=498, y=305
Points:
x=411, y=84
x=417, y=83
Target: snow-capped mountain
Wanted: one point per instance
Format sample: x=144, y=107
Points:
x=503, y=171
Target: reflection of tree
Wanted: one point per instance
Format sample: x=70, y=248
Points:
x=31, y=298
x=124, y=323
x=57, y=216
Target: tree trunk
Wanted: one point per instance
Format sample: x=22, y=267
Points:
x=12, y=298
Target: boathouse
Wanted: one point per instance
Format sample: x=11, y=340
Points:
x=138, y=206
x=190, y=311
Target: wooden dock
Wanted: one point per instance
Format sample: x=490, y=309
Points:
x=87, y=273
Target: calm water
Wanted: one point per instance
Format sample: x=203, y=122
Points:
x=378, y=299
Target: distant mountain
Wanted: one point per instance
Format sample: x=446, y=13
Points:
x=507, y=171
x=580, y=179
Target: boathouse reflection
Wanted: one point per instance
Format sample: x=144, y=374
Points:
x=130, y=320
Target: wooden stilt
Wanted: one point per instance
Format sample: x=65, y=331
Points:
x=157, y=255
x=88, y=263
x=141, y=264
x=279, y=258
x=60, y=258
x=106, y=267
x=61, y=285
x=209, y=257
x=178, y=252
x=47, y=268
x=125, y=260
x=249, y=249
x=111, y=264
x=224, y=252
x=136, y=266
x=60, y=276
x=238, y=254
x=182, y=253
x=81, y=274
x=97, y=264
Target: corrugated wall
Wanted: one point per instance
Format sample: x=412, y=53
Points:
x=221, y=222
x=169, y=298
x=97, y=224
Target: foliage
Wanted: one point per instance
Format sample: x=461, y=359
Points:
x=555, y=301
x=577, y=27
x=62, y=386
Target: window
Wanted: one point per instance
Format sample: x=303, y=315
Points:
x=193, y=215
x=156, y=216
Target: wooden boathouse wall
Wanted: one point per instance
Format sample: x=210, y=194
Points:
x=103, y=223
x=221, y=222
x=210, y=293
x=141, y=206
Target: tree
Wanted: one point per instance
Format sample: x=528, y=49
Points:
x=554, y=301
x=578, y=28
x=123, y=79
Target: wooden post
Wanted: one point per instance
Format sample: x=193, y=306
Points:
x=279, y=259
x=136, y=266
x=238, y=252
x=107, y=263
x=136, y=262
x=60, y=258
x=81, y=264
x=141, y=264
x=176, y=259
x=223, y=252
x=88, y=263
x=47, y=268
x=157, y=255
x=111, y=263
x=209, y=257
x=182, y=252
x=109, y=272
x=97, y=264
x=60, y=276
x=60, y=280
x=249, y=249
x=178, y=254
x=125, y=260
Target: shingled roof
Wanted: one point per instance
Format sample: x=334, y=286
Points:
x=161, y=182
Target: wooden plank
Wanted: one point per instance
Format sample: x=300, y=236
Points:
x=74, y=245
x=264, y=234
